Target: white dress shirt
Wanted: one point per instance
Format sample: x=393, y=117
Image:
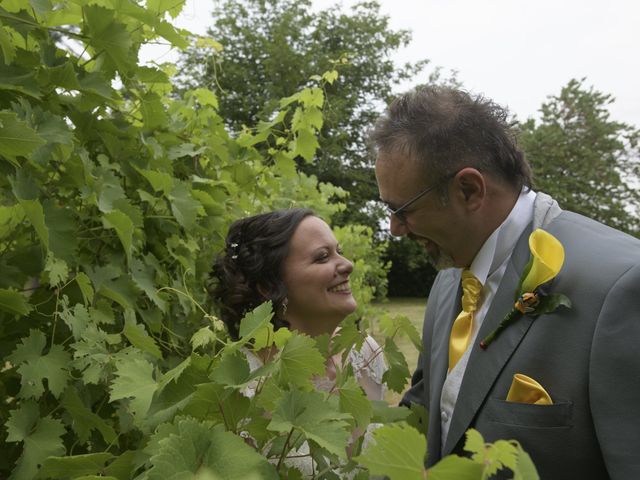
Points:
x=488, y=266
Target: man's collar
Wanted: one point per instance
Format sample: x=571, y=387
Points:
x=500, y=243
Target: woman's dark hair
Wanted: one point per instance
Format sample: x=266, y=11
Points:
x=249, y=270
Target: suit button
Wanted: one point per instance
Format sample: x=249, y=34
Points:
x=444, y=416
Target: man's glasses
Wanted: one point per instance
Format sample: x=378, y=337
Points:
x=399, y=212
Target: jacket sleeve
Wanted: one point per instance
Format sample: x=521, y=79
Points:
x=614, y=377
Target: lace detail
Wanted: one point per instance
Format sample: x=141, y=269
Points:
x=368, y=361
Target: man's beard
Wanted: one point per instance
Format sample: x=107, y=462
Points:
x=441, y=261
x=437, y=258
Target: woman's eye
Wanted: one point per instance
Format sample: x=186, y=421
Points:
x=322, y=258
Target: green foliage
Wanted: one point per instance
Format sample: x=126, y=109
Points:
x=398, y=450
x=586, y=161
x=264, y=49
x=114, y=204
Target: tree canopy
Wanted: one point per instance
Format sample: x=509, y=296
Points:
x=259, y=50
x=588, y=162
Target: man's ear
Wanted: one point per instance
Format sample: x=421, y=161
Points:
x=471, y=188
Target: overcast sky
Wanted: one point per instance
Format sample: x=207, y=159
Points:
x=516, y=52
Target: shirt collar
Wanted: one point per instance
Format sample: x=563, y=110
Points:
x=497, y=248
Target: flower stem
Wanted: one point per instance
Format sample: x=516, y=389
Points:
x=513, y=315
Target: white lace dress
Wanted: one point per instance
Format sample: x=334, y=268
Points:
x=368, y=366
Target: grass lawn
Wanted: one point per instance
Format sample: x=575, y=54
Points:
x=413, y=308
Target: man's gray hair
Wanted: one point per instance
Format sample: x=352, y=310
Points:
x=446, y=129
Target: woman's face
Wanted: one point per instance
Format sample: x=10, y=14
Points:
x=317, y=279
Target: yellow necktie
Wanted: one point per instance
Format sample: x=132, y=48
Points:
x=463, y=325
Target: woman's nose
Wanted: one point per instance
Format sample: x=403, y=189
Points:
x=345, y=267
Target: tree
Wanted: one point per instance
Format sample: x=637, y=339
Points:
x=587, y=161
x=263, y=49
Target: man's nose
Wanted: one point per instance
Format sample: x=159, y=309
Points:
x=397, y=228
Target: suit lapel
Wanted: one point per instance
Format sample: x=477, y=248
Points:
x=448, y=309
x=484, y=366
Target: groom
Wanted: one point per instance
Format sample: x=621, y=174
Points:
x=566, y=384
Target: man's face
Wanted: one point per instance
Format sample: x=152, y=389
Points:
x=439, y=228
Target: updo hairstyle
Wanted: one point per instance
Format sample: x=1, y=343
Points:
x=249, y=270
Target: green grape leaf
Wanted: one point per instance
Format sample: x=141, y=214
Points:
x=384, y=413
x=134, y=380
x=233, y=370
x=330, y=76
x=37, y=368
x=74, y=466
x=166, y=30
x=41, y=437
x=195, y=445
x=86, y=289
x=299, y=361
x=354, y=401
x=203, y=337
x=10, y=218
x=305, y=145
x=398, y=373
x=143, y=275
x=84, y=420
x=151, y=75
x=14, y=302
x=389, y=326
x=30, y=348
x=205, y=97
x=64, y=76
x=460, y=468
x=312, y=97
x=153, y=114
x=183, y=206
x=160, y=181
x=499, y=454
x=91, y=356
x=109, y=37
x=34, y=212
x=62, y=228
x=285, y=165
x=397, y=451
x=475, y=445
x=77, y=319
x=122, y=466
x=525, y=468
x=16, y=137
x=7, y=46
x=255, y=320
x=174, y=7
x=22, y=421
x=315, y=417
x=138, y=337
x=57, y=270
x=123, y=225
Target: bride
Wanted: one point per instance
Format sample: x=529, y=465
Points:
x=292, y=258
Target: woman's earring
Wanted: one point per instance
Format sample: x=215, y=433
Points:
x=285, y=302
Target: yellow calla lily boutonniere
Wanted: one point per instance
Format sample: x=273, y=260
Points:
x=547, y=258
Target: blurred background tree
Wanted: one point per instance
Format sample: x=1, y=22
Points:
x=262, y=49
x=588, y=162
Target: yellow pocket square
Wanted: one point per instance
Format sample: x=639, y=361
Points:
x=526, y=390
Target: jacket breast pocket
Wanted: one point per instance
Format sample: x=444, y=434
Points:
x=558, y=415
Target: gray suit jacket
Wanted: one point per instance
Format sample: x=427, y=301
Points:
x=586, y=357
